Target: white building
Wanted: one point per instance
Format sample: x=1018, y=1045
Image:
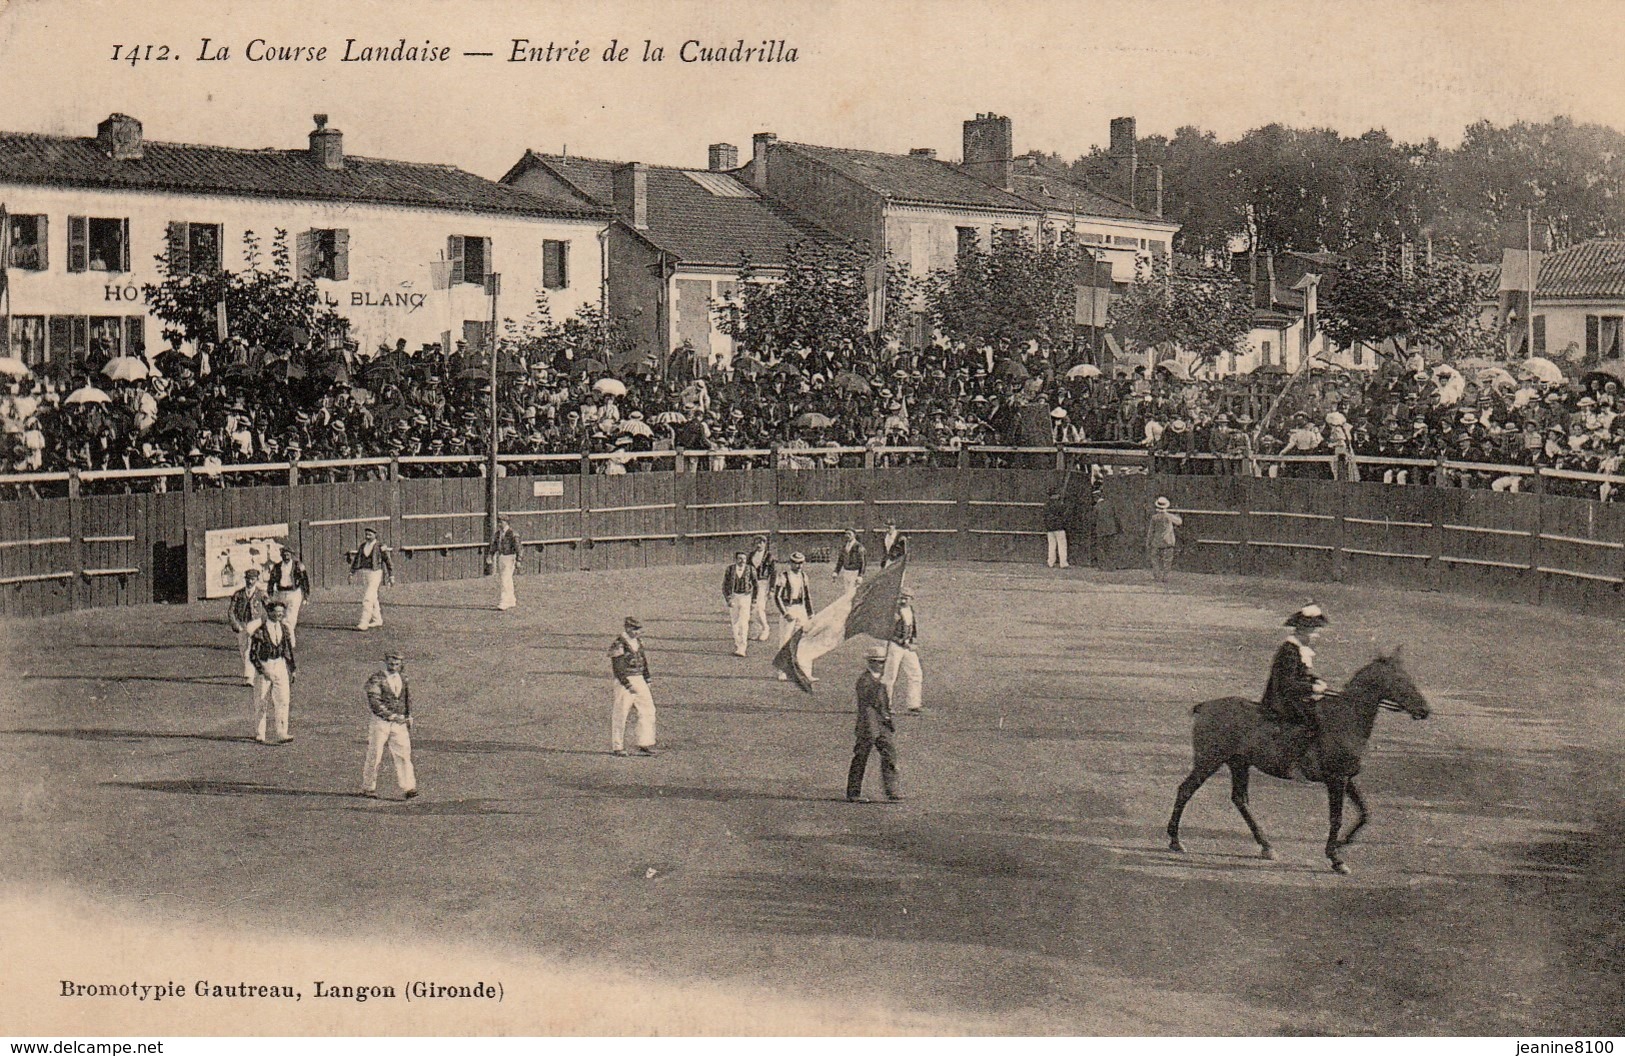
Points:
x=88, y=216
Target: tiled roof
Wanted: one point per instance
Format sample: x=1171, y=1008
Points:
x=912, y=178
x=1059, y=192
x=692, y=222
x=1590, y=269
x=65, y=161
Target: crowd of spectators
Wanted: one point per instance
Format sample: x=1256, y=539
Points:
x=237, y=404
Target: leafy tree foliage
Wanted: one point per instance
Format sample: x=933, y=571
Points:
x=266, y=306
x=1380, y=297
x=1200, y=311
x=819, y=302
x=1011, y=293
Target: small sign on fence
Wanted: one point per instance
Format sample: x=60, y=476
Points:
x=547, y=489
x=229, y=552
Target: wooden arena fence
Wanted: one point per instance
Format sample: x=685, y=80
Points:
x=84, y=540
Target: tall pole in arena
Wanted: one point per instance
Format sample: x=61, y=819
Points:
x=495, y=281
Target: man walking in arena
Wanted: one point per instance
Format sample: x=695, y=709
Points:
x=902, y=673
x=372, y=561
x=849, y=561
x=503, y=555
x=271, y=652
x=389, y=698
x=288, y=580
x=630, y=666
x=738, y=592
x=246, y=611
x=762, y=564
x=794, y=601
x=874, y=731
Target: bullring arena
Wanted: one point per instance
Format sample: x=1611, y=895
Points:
x=725, y=886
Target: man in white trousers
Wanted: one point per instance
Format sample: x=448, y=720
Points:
x=849, y=562
x=271, y=652
x=288, y=580
x=389, y=697
x=246, y=611
x=902, y=672
x=793, y=598
x=372, y=561
x=738, y=592
x=761, y=563
x=630, y=666
x=503, y=553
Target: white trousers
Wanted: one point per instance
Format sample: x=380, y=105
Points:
x=372, y=614
x=902, y=674
x=739, y=610
x=382, y=733
x=244, y=637
x=294, y=600
x=1057, y=549
x=626, y=700
x=849, y=580
x=271, y=696
x=758, y=612
x=505, y=567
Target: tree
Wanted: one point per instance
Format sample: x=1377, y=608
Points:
x=588, y=334
x=269, y=307
x=1381, y=296
x=1012, y=293
x=819, y=301
x=1200, y=311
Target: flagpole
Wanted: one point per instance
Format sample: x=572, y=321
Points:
x=491, y=472
x=1529, y=273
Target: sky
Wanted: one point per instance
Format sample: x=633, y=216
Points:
x=875, y=74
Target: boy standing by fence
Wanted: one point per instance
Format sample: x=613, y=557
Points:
x=1159, y=538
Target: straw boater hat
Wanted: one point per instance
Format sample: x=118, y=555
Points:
x=1306, y=617
x=1177, y=425
x=876, y=654
x=1163, y=503
x=1059, y=412
x=1335, y=418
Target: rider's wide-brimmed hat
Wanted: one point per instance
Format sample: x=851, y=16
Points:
x=1308, y=616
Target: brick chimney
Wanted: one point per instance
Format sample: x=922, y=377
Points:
x=923, y=152
x=989, y=151
x=632, y=194
x=120, y=137
x=326, y=145
x=724, y=157
x=760, y=143
x=1123, y=138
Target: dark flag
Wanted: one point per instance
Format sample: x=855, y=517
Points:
x=868, y=610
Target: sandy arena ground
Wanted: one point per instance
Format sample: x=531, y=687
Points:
x=726, y=887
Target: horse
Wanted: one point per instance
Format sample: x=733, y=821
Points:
x=1234, y=732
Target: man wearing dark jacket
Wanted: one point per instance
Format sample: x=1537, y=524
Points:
x=874, y=731
x=1057, y=510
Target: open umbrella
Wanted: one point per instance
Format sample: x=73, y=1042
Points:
x=851, y=383
x=179, y=425
x=88, y=394
x=633, y=427
x=12, y=367
x=813, y=420
x=1011, y=368
x=1175, y=369
x=590, y=366
x=1451, y=384
x=125, y=368
x=1544, y=369
x=1611, y=370
x=1470, y=364
x=670, y=418
x=1498, y=377
x=609, y=386
x=1084, y=370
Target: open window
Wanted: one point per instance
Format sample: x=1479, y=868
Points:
x=324, y=253
x=97, y=243
x=28, y=242
x=470, y=257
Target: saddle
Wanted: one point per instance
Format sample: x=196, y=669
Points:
x=1287, y=750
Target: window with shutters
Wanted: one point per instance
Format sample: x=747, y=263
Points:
x=324, y=253
x=68, y=337
x=135, y=335
x=98, y=244
x=476, y=336
x=29, y=242
x=968, y=240
x=470, y=257
x=555, y=264
x=194, y=248
x=1603, y=336
x=28, y=339
x=1540, y=335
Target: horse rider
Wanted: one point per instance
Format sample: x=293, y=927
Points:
x=1294, y=690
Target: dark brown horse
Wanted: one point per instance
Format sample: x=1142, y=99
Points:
x=1233, y=731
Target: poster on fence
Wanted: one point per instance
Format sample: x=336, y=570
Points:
x=228, y=552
